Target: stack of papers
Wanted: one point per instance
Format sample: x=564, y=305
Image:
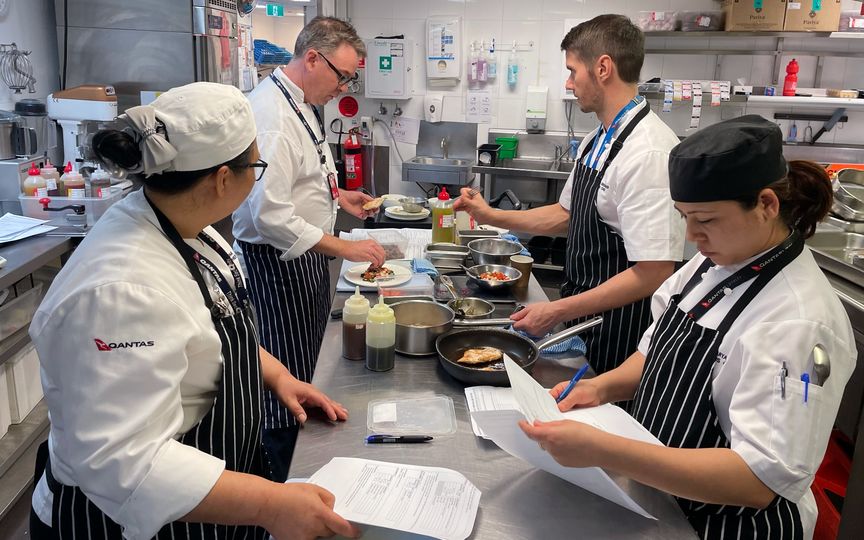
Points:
x=13, y=227
x=495, y=413
x=430, y=501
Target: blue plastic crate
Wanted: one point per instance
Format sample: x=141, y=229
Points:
x=268, y=53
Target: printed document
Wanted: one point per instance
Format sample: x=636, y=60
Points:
x=432, y=501
x=501, y=426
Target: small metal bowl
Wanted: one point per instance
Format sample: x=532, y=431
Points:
x=412, y=205
x=493, y=284
x=471, y=308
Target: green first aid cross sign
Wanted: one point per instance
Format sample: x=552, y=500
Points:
x=385, y=63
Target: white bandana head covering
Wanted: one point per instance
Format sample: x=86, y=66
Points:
x=191, y=128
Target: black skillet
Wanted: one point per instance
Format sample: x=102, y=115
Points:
x=520, y=349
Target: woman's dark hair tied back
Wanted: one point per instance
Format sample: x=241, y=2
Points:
x=119, y=148
x=805, y=195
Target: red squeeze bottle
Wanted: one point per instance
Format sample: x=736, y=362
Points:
x=790, y=84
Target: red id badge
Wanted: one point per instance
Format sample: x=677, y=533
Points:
x=334, y=186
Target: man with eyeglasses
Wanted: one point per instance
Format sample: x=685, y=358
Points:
x=284, y=229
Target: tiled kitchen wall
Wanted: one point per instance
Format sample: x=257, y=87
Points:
x=543, y=23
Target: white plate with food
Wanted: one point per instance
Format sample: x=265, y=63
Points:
x=389, y=275
x=396, y=212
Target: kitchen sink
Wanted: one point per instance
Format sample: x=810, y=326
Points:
x=437, y=170
x=424, y=160
x=529, y=167
x=841, y=253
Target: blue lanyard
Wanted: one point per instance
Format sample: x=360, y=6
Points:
x=616, y=123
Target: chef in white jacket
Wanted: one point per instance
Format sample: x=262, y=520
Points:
x=726, y=375
x=151, y=366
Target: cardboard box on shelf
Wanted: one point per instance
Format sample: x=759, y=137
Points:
x=813, y=16
x=754, y=15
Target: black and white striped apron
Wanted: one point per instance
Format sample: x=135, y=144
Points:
x=674, y=399
x=231, y=430
x=596, y=253
x=292, y=301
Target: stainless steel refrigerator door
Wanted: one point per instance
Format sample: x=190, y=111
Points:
x=216, y=60
x=157, y=15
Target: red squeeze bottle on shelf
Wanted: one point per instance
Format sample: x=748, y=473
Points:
x=790, y=84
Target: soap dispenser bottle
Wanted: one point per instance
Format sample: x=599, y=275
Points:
x=380, y=337
x=354, y=315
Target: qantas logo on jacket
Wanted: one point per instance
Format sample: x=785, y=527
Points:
x=108, y=347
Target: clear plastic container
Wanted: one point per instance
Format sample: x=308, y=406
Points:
x=420, y=285
x=432, y=415
x=93, y=207
x=657, y=21
x=702, y=21
x=395, y=244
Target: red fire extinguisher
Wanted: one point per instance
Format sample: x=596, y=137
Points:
x=353, y=161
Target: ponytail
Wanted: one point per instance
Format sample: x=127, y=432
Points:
x=805, y=196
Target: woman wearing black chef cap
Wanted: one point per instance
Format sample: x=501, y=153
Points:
x=724, y=377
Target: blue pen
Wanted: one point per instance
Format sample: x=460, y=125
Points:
x=805, y=378
x=572, y=383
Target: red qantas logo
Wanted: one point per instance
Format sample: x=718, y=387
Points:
x=706, y=304
x=756, y=267
x=108, y=347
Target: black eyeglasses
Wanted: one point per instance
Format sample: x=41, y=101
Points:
x=260, y=164
x=343, y=79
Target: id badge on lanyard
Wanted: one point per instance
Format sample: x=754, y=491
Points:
x=334, y=185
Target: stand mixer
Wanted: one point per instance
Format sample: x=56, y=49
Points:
x=79, y=107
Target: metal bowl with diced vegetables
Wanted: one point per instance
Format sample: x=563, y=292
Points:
x=493, y=277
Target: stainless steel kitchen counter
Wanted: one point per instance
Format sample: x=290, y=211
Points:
x=518, y=501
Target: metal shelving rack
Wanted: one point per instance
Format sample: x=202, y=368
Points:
x=777, y=51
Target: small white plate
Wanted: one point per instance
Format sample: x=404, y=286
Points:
x=401, y=274
x=396, y=212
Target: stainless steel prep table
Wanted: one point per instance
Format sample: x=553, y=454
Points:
x=518, y=501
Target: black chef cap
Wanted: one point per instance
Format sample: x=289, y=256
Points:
x=726, y=161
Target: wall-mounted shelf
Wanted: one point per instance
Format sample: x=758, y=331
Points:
x=798, y=101
x=777, y=51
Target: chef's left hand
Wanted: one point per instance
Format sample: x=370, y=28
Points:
x=294, y=394
x=537, y=319
x=570, y=443
x=353, y=201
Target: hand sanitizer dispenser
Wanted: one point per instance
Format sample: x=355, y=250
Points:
x=535, y=105
x=433, y=107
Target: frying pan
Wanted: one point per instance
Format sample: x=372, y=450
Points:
x=521, y=350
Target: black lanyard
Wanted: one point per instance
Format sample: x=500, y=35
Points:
x=239, y=300
x=315, y=140
x=768, y=265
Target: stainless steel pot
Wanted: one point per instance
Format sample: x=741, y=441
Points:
x=418, y=325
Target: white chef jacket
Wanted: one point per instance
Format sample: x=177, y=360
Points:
x=782, y=440
x=290, y=208
x=634, y=198
x=116, y=416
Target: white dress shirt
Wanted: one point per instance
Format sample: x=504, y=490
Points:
x=634, y=198
x=781, y=440
x=290, y=208
x=116, y=415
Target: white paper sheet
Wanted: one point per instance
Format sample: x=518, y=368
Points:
x=405, y=130
x=534, y=400
x=608, y=417
x=432, y=501
x=536, y=403
x=14, y=227
x=488, y=398
x=502, y=428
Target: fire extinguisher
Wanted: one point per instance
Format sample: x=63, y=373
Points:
x=353, y=161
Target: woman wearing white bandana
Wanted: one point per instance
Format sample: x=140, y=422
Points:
x=151, y=365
